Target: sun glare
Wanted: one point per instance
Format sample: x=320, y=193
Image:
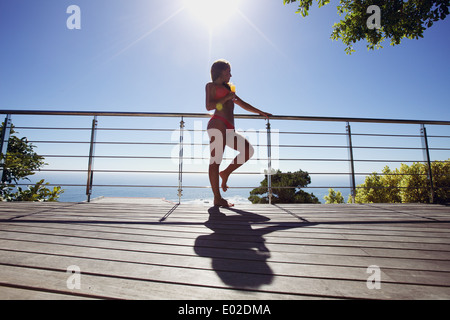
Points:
x=212, y=12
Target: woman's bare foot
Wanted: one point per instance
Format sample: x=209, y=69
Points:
x=223, y=203
x=224, y=177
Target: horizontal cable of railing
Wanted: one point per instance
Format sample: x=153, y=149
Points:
x=262, y=145
x=194, y=130
x=254, y=159
x=238, y=173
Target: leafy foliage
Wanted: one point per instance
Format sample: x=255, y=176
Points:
x=333, y=197
x=20, y=162
x=37, y=192
x=399, y=19
x=286, y=188
x=407, y=184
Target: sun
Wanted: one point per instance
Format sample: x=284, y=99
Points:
x=212, y=13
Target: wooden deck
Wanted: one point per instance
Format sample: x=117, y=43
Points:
x=124, y=250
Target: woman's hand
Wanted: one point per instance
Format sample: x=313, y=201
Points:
x=230, y=96
x=265, y=114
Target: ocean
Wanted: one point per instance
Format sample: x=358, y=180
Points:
x=196, y=188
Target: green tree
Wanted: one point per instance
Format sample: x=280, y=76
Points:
x=333, y=197
x=380, y=188
x=441, y=180
x=414, y=183
x=406, y=184
x=20, y=162
x=399, y=19
x=36, y=192
x=391, y=180
x=286, y=188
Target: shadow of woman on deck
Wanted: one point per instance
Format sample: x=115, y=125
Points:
x=238, y=252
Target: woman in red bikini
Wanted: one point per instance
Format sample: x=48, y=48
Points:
x=220, y=98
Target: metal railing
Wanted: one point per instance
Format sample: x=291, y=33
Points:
x=181, y=145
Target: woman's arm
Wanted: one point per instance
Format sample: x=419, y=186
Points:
x=246, y=106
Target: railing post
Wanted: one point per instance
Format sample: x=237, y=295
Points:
x=426, y=150
x=6, y=132
x=352, y=163
x=180, y=163
x=90, y=175
x=269, y=162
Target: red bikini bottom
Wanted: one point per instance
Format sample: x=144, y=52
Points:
x=225, y=121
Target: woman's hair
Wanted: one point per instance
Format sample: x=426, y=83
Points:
x=218, y=67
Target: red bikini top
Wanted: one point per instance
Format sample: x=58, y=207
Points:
x=221, y=92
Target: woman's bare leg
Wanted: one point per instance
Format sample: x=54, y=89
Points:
x=246, y=151
x=217, y=146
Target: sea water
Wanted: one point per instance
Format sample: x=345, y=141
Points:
x=195, y=189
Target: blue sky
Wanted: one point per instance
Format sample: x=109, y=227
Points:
x=154, y=56
x=281, y=62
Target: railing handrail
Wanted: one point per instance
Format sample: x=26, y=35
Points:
x=207, y=115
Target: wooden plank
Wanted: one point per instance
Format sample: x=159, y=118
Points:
x=17, y=292
x=40, y=281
